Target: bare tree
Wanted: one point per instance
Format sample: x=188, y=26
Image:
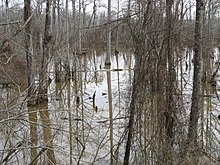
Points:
x=159, y=36
x=108, y=66
x=80, y=28
x=108, y=53
x=42, y=98
x=31, y=84
x=170, y=104
x=196, y=95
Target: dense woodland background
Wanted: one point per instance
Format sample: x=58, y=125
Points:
x=169, y=113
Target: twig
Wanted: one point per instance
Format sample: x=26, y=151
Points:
x=113, y=21
x=9, y=23
x=11, y=152
x=118, y=118
x=9, y=59
x=81, y=154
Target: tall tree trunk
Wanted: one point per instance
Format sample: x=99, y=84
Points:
x=161, y=99
x=108, y=61
x=196, y=100
x=108, y=66
x=139, y=84
x=74, y=15
x=80, y=29
x=42, y=99
x=67, y=57
x=56, y=31
x=110, y=111
x=94, y=13
x=70, y=121
x=7, y=13
x=170, y=105
x=117, y=30
x=130, y=124
x=84, y=14
x=68, y=84
x=31, y=100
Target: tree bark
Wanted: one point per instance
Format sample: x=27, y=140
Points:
x=107, y=61
x=170, y=105
x=108, y=66
x=30, y=75
x=130, y=125
x=80, y=29
x=42, y=98
x=74, y=15
x=196, y=100
x=110, y=111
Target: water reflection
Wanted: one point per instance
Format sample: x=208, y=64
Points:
x=80, y=105
x=79, y=108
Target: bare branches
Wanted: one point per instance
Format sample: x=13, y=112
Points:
x=10, y=23
x=8, y=59
x=11, y=151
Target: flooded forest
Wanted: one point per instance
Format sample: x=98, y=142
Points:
x=109, y=82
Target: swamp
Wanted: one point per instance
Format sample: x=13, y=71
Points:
x=109, y=82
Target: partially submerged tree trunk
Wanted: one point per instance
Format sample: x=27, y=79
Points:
x=170, y=91
x=31, y=85
x=138, y=86
x=108, y=66
x=42, y=98
x=131, y=121
x=110, y=111
x=196, y=95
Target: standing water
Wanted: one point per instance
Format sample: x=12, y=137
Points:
x=79, y=112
